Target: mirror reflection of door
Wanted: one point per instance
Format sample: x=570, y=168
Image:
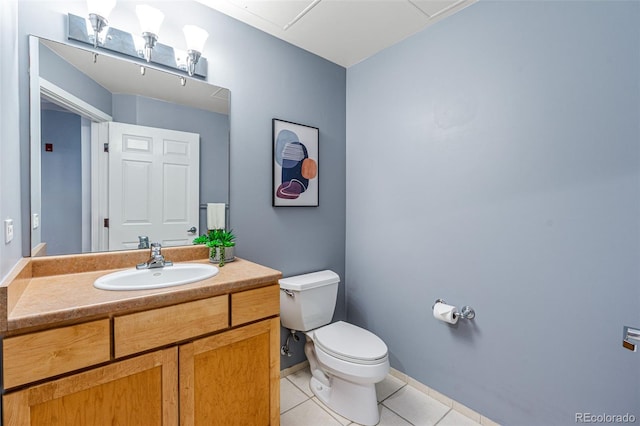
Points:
x=153, y=180
x=147, y=185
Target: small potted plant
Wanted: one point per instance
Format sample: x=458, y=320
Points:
x=221, y=245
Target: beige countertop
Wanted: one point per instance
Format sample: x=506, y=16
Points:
x=41, y=297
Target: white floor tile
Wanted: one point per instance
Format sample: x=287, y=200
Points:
x=455, y=418
x=388, y=386
x=388, y=418
x=307, y=414
x=402, y=405
x=290, y=396
x=416, y=407
x=343, y=421
x=301, y=379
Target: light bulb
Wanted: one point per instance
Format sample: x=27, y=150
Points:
x=150, y=18
x=196, y=37
x=150, y=21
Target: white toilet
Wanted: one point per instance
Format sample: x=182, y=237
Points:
x=346, y=361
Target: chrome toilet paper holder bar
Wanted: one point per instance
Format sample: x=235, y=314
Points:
x=466, y=312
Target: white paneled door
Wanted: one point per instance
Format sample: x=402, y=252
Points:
x=154, y=185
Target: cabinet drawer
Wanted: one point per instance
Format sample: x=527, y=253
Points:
x=48, y=353
x=158, y=327
x=252, y=305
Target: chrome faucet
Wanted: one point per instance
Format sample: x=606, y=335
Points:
x=156, y=260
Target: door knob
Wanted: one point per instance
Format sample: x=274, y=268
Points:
x=192, y=230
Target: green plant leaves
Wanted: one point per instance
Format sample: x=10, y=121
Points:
x=217, y=238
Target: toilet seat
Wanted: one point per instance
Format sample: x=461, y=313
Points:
x=350, y=343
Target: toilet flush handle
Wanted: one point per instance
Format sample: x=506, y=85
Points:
x=288, y=292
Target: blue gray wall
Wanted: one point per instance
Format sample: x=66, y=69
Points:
x=503, y=173
x=61, y=182
x=268, y=79
x=272, y=79
x=11, y=197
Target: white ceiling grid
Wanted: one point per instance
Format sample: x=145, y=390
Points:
x=343, y=31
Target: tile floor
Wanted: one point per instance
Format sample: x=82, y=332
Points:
x=399, y=404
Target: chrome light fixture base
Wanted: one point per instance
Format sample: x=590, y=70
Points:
x=124, y=43
x=150, y=40
x=98, y=23
x=193, y=56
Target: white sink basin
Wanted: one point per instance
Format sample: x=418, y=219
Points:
x=145, y=279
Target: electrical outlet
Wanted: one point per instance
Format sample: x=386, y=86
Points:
x=8, y=231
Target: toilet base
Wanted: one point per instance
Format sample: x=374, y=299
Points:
x=357, y=402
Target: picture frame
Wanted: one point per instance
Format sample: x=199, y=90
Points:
x=295, y=164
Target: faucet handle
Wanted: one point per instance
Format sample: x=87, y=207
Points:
x=143, y=242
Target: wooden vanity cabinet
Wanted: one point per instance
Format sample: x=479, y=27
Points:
x=137, y=391
x=232, y=377
x=228, y=376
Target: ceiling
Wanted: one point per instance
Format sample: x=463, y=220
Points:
x=343, y=31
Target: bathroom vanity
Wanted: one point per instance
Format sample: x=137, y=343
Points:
x=199, y=353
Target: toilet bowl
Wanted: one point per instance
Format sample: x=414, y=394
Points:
x=346, y=361
x=351, y=352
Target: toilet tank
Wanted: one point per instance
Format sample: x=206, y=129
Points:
x=307, y=301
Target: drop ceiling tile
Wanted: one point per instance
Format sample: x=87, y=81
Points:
x=434, y=7
x=279, y=12
x=348, y=31
x=342, y=31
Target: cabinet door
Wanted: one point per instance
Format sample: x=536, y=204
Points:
x=137, y=391
x=232, y=378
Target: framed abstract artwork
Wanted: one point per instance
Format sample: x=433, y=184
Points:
x=295, y=164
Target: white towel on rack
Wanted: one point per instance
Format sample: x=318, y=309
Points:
x=216, y=216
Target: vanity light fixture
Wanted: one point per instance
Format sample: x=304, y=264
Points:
x=196, y=37
x=150, y=22
x=145, y=48
x=99, y=11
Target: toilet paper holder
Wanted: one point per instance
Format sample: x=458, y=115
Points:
x=466, y=312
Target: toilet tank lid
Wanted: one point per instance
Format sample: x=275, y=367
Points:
x=310, y=280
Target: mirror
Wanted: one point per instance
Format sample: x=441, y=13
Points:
x=76, y=95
